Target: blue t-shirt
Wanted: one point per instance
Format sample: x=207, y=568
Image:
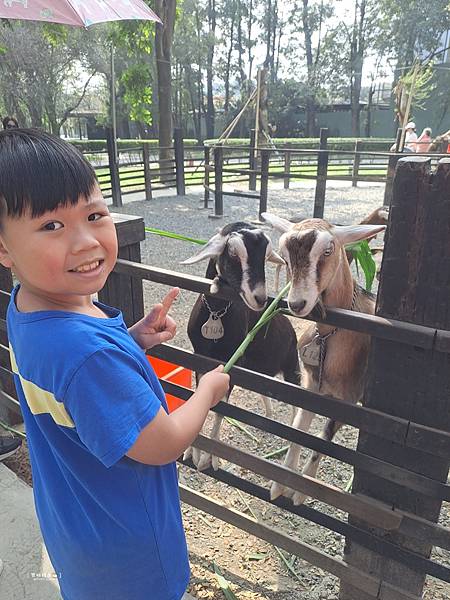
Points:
x=112, y=526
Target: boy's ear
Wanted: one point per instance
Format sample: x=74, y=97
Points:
x=5, y=259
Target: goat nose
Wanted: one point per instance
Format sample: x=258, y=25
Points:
x=298, y=306
x=261, y=299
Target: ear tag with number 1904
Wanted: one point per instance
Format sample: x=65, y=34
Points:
x=213, y=328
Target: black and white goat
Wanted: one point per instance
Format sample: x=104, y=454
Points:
x=237, y=256
x=334, y=359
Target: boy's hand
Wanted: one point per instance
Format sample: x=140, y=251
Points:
x=216, y=383
x=156, y=327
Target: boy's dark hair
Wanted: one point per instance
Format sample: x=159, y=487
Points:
x=40, y=172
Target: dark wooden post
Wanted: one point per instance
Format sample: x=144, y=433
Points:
x=265, y=160
x=392, y=163
x=218, y=181
x=287, y=169
x=179, y=160
x=403, y=380
x=252, y=161
x=322, y=169
x=206, y=178
x=113, y=169
x=356, y=162
x=123, y=291
x=147, y=171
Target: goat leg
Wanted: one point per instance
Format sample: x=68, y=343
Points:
x=267, y=406
x=302, y=421
x=311, y=467
x=204, y=460
x=192, y=452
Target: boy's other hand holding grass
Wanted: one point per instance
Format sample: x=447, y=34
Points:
x=157, y=327
x=217, y=382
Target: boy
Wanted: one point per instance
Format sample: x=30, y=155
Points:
x=101, y=443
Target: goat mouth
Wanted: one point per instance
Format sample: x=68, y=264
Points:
x=255, y=306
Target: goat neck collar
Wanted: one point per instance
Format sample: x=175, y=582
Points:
x=324, y=331
x=321, y=340
x=217, y=314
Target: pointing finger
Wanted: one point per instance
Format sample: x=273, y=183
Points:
x=167, y=304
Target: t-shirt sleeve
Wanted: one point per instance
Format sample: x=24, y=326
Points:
x=110, y=402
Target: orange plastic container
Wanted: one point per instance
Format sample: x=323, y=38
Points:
x=173, y=373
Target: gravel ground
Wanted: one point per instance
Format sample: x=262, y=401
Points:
x=254, y=568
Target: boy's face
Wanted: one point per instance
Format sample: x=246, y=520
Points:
x=62, y=256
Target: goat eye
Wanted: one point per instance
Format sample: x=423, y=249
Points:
x=329, y=250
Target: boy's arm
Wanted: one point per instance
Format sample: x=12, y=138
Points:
x=166, y=437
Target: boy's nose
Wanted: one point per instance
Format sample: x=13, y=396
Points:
x=84, y=240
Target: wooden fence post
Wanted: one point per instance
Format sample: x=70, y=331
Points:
x=179, y=160
x=252, y=161
x=322, y=169
x=123, y=291
x=287, y=169
x=392, y=163
x=356, y=163
x=265, y=161
x=206, y=177
x=218, y=181
x=406, y=381
x=147, y=171
x=113, y=169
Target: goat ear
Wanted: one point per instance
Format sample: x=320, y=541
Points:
x=277, y=222
x=275, y=258
x=271, y=255
x=214, y=247
x=348, y=234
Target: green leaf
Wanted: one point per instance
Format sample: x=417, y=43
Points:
x=256, y=556
x=268, y=314
x=363, y=258
x=175, y=236
x=224, y=584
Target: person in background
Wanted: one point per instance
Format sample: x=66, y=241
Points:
x=10, y=123
x=424, y=140
x=410, y=137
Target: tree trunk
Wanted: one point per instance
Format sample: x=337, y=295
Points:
x=226, y=106
x=210, y=112
x=249, y=37
x=310, y=98
x=196, y=116
x=165, y=9
x=357, y=51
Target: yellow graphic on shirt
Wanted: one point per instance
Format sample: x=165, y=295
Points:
x=41, y=401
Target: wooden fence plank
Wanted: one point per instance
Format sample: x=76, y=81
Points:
x=366, y=419
x=337, y=567
x=390, y=329
x=411, y=525
x=378, y=514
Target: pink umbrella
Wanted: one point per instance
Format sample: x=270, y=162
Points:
x=81, y=13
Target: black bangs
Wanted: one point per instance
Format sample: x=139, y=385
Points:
x=39, y=172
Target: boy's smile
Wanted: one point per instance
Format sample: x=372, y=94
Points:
x=62, y=257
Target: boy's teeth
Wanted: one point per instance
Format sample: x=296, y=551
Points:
x=88, y=267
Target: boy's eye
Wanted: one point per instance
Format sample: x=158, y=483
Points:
x=53, y=226
x=95, y=217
